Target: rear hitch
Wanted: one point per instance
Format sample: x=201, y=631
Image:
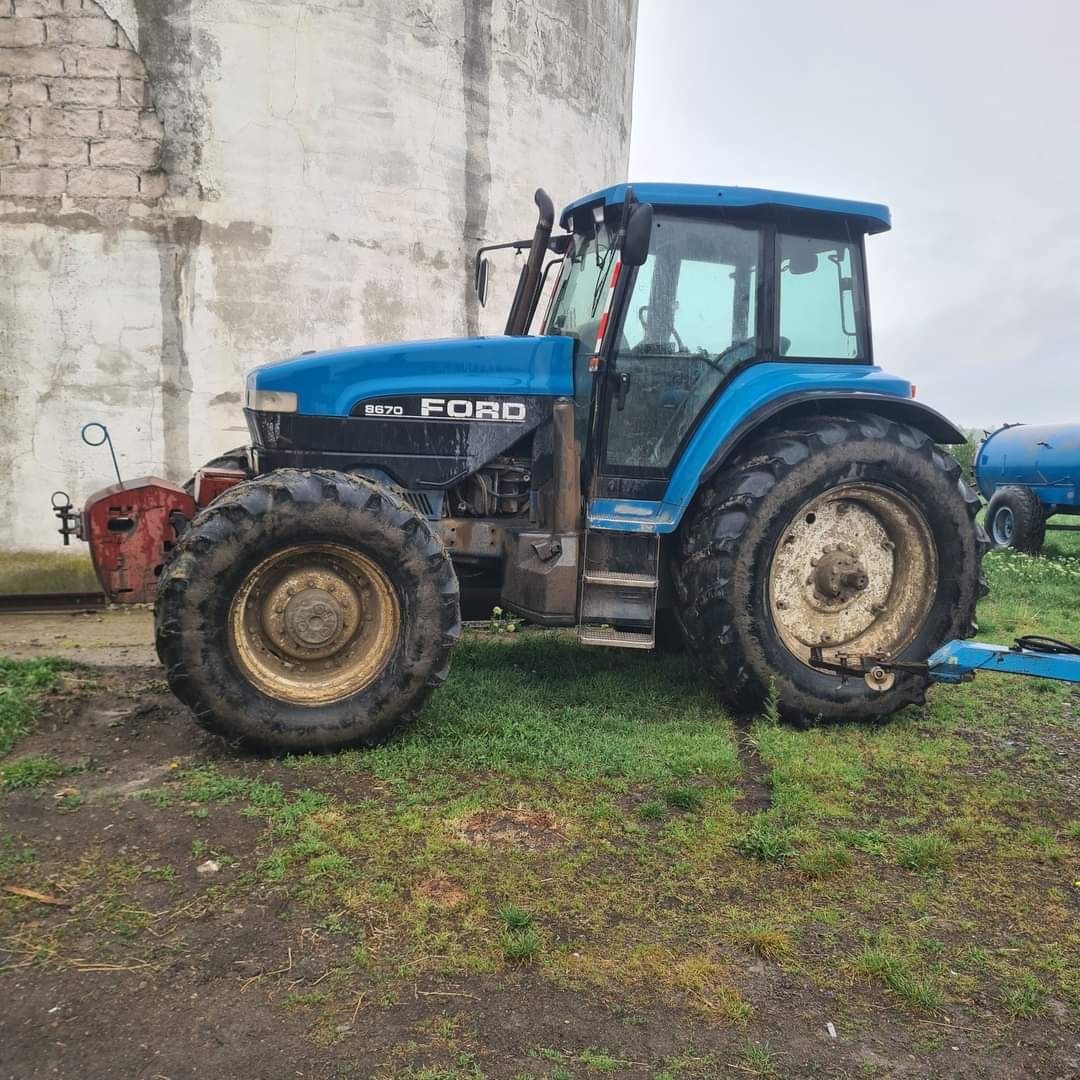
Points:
x=70, y=521
x=878, y=672
x=958, y=661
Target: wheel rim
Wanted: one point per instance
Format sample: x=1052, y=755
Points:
x=1002, y=526
x=314, y=624
x=854, y=572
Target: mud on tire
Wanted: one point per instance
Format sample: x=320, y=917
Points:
x=731, y=534
x=300, y=510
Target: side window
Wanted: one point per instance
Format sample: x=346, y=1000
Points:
x=689, y=322
x=820, y=299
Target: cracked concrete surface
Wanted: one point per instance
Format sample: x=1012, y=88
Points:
x=329, y=169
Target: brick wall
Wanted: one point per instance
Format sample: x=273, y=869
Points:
x=75, y=111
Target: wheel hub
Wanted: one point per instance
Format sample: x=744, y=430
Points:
x=855, y=571
x=314, y=623
x=839, y=574
x=313, y=618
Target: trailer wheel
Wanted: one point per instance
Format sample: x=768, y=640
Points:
x=307, y=610
x=855, y=535
x=1015, y=519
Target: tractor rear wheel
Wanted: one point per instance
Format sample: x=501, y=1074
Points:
x=307, y=610
x=854, y=535
x=1015, y=519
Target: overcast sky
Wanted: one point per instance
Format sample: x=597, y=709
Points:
x=962, y=116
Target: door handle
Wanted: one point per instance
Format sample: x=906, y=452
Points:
x=622, y=388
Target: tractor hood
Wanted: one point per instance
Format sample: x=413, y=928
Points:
x=332, y=383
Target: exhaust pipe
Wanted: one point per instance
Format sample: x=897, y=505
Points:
x=522, y=307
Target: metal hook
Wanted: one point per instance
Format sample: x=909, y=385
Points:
x=105, y=438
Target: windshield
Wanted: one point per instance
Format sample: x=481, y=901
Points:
x=581, y=291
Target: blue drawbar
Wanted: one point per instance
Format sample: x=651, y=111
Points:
x=331, y=383
x=865, y=216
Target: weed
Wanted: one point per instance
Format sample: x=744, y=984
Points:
x=893, y=970
x=515, y=918
x=652, y=811
x=598, y=1060
x=502, y=623
x=760, y=1060
x=824, y=862
x=1026, y=999
x=868, y=841
x=924, y=853
x=31, y=772
x=684, y=798
x=766, y=840
x=770, y=713
x=520, y=946
x=769, y=943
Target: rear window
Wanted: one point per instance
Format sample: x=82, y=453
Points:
x=821, y=309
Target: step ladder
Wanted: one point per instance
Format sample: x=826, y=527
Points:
x=619, y=583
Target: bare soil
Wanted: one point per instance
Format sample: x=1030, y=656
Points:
x=209, y=1001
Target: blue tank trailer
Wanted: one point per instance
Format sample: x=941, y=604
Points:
x=1028, y=473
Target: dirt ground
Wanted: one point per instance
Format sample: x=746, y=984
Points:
x=218, y=980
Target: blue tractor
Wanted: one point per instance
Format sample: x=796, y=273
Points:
x=681, y=440
x=1028, y=474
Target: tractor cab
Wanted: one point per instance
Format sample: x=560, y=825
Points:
x=721, y=280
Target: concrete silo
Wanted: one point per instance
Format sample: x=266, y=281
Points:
x=191, y=187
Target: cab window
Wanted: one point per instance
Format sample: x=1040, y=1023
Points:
x=821, y=309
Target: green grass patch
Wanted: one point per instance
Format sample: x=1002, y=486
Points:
x=766, y=839
x=31, y=771
x=924, y=853
x=22, y=682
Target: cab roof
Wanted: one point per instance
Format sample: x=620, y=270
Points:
x=868, y=217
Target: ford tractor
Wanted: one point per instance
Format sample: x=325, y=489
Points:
x=680, y=440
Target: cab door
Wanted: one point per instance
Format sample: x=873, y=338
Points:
x=690, y=319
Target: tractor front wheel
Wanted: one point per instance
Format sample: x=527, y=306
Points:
x=307, y=610
x=856, y=536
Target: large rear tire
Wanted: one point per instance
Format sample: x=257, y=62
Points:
x=855, y=535
x=1016, y=519
x=307, y=610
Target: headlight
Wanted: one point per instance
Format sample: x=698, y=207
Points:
x=271, y=400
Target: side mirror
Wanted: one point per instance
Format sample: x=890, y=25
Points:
x=638, y=236
x=481, y=282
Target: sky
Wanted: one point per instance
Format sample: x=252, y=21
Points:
x=963, y=117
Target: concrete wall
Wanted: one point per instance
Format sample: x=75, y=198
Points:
x=189, y=188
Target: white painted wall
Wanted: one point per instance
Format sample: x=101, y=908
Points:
x=324, y=164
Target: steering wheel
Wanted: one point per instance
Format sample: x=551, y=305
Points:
x=717, y=362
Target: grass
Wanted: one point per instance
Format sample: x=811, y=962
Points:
x=42, y=572
x=30, y=772
x=924, y=853
x=572, y=819
x=22, y=684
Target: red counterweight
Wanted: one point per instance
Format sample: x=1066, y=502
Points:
x=130, y=532
x=132, y=527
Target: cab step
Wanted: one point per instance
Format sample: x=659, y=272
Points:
x=623, y=639
x=621, y=581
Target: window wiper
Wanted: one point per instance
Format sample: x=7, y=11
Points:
x=601, y=279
